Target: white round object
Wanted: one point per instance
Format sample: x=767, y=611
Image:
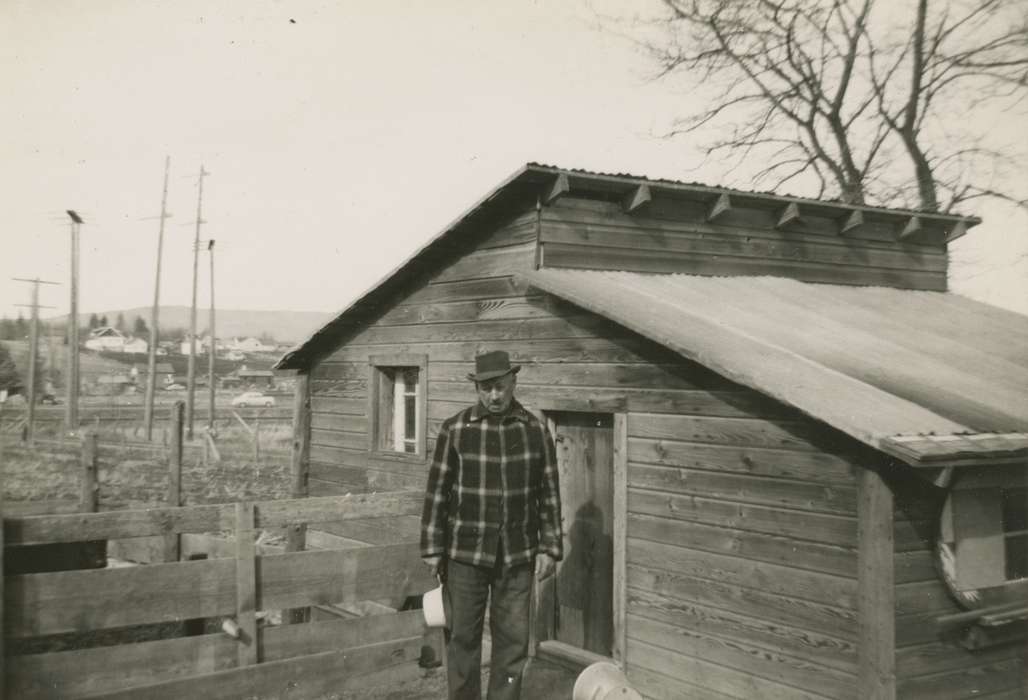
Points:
x=603, y=681
x=432, y=607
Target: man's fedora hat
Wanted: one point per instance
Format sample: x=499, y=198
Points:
x=490, y=365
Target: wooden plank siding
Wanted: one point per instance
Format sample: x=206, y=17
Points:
x=674, y=236
x=931, y=663
x=81, y=672
x=472, y=304
x=741, y=547
x=741, y=555
x=82, y=600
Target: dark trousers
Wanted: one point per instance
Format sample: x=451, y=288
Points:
x=469, y=589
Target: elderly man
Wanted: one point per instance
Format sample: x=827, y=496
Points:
x=491, y=518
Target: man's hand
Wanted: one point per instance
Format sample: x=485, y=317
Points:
x=433, y=563
x=544, y=566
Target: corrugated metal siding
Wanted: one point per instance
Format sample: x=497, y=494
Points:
x=873, y=362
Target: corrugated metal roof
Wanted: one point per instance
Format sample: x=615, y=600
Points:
x=715, y=189
x=883, y=365
x=531, y=177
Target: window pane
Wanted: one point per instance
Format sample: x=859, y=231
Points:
x=398, y=409
x=1015, y=504
x=410, y=430
x=1017, y=557
x=396, y=418
x=410, y=379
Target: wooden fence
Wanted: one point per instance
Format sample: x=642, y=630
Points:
x=305, y=660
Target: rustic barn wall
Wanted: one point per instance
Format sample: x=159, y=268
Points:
x=435, y=317
x=472, y=304
x=674, y=236
x=930, y=664
x=741, y=527
x=741, y=555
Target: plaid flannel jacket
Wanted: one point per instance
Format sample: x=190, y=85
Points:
x=492, y=479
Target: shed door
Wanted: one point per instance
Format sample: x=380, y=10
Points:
x=583, y=609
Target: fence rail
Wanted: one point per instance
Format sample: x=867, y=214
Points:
x=148, y=522
x=312, y=658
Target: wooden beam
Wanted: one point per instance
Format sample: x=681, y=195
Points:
x=246, y=585
x=637, y=199
x=913, y=227
x=959, y=229
x=296, y=533
x=305, y=677
x=3, y=620
x=620, y=537
x=89, y=499
x=719, y=208
x=876, y=591
x=89, y=599
x=854, y=221
x=172, y=544
x=789, y=215
x=557, y=189
x=296, y=541
x=120, y=524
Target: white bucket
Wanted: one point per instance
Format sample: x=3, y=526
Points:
x=432, y=607
x=603, y=681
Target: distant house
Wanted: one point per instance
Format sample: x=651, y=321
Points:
x=203, y=345
x=250, y=345
x=135, y=345
x=105, y=338
x=108, y=339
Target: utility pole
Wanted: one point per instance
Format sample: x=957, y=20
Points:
x=151, y=377
x=212, y=350
x=191, y=372
x=50, y=354
x=71, y=410
x=33, y=355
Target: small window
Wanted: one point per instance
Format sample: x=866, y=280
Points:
x=397, y=404
x=983, y=536
x=1015, y=532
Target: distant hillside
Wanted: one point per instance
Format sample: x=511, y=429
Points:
x=285, y=326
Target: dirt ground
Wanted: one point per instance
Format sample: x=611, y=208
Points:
x=543, y=681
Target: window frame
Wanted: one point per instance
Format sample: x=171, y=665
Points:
x=377, y=402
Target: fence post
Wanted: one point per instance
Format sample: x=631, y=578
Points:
x=172, y=549
x=89, y=499
x=3, y=668
x=296, y=533
x=246, y=585
x=257, y=438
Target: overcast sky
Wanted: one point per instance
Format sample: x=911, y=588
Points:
x=340, y=136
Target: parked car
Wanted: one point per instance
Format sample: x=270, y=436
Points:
x=175, y=387
x=49, y=400
x=253, y=398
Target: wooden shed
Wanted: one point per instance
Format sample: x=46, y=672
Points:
x=792, y=464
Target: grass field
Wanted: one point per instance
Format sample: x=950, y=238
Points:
x=90, y=364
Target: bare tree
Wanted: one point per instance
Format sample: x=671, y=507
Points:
x=854, y=95
x=972, y=52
